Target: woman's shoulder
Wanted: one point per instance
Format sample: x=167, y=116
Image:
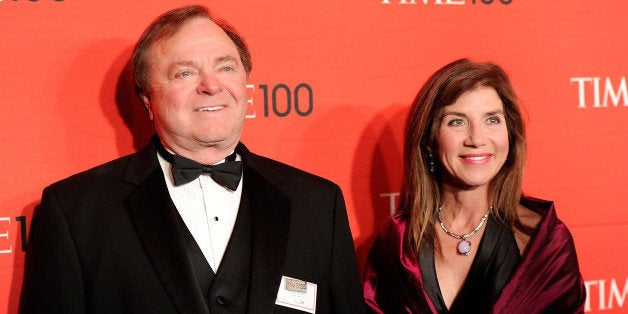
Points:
x=393, y=226
x=531, y=211
x=529, y=218
x=530, y=214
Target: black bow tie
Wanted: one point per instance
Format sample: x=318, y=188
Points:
x=184, y=170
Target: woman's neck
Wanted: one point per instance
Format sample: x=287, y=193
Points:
x=464, y=207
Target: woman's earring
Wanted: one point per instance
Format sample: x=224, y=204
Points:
x=431, y=164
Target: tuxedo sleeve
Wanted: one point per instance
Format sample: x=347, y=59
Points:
x=52, y=277
x=346, y=293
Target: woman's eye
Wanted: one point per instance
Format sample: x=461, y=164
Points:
x=455, y=122
x=494, y=120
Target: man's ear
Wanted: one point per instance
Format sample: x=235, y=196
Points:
x=147, y=105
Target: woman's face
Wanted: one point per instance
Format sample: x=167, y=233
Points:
x=473, y=139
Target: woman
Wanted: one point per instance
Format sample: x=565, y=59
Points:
x=465, y=239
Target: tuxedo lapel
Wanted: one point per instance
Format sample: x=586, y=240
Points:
x=155, y=219
x=270, y=213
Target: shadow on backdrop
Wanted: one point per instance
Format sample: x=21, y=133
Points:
x=377, y=174
x=129, y=108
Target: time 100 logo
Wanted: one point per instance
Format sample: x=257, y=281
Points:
x=445, y=2
x=281, y=100
x=491, y=1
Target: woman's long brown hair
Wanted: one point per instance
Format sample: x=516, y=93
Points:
x=421, y=191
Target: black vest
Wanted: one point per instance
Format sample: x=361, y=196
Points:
x=225, y=291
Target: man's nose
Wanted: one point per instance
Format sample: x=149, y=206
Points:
x=209, y=84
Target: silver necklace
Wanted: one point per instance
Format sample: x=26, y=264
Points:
x=464, y=246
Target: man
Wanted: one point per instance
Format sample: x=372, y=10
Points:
x=146, y=234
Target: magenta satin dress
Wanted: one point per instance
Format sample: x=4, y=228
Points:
x=546, y=280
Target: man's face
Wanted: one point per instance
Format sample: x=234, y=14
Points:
x=197, y=89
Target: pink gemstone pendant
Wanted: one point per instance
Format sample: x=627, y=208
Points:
x=464, y=247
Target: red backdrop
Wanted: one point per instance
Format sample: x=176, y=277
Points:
x=331, y=85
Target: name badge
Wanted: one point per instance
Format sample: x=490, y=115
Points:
x=297, y=294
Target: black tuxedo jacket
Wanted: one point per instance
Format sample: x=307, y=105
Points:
x=109, y=240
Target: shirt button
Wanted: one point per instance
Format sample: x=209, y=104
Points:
x=222, y=300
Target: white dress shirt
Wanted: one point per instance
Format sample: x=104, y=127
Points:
x=208, y=209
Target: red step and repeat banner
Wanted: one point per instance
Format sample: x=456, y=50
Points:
x=331, y=85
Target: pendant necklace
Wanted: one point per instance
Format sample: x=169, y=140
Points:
x=464, y=246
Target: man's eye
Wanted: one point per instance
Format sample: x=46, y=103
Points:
x=183, y=74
